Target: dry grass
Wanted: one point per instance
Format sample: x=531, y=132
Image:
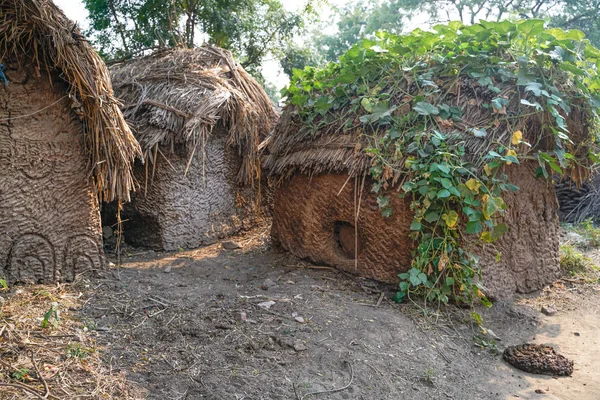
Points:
x=37, y=32
x=59, y=361
x=176, y=98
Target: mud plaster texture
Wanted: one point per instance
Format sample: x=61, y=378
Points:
x=312, y=221
x=178, y=210
x=49, y=216
x=529, y=250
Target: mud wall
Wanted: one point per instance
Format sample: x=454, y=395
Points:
x=186, y=211
x=529, y=250
x=312, y=221
x=49, y=218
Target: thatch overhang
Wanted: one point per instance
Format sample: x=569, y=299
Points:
x=295, y=146
x=176, y=98
x=36, y=31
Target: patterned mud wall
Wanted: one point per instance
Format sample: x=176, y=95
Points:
x=529, y=258
x=312, y=221
x=187, y=211
x=49, y=218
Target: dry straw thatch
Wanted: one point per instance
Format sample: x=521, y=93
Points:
x=338, y=147
x=175, y=98
x=37, y=31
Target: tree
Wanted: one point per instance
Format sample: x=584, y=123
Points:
x=567, y=14
x=356, y=21
x=251, y=29
x=361, y=20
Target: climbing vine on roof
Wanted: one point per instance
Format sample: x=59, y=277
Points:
x=443, y=114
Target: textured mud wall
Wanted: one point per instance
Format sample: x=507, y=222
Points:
x=312, y=221
x=49, y=218
x=529, y=257
x=188, y=211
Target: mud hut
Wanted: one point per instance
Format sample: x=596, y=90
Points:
x=199, y=117
x=64, y=145
x=367, y=148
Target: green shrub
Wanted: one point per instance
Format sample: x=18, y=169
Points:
x=589, y=231
x=572, y=261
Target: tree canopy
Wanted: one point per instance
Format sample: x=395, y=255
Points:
x=250, y=28
x=362, y=19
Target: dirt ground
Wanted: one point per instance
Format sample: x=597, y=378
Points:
x=256, y=323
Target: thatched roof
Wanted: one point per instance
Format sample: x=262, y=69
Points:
x=295, y=146
x=37, y=31
x=174, y=99
x=337, y=117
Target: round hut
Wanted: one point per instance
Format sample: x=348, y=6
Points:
x=64, y=145
x=199, y=117
x=424, y=159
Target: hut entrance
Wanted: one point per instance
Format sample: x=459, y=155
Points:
x=346, y=239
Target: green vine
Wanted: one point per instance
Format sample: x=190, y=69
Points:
x=443, y=114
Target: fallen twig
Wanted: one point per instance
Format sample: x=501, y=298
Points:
x=40, y=377
x=380, y=299
x=25, y=388
x=333, y=390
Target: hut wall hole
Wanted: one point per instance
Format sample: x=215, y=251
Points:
x=344, y=234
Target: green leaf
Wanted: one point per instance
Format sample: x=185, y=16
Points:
x=367, y=104
x=474, y=227
x=493, y=235
x=424, y=108
x=443, y=167
x=399, y=296
x=477, y=318
x=446, y=183
x=536, y=104
x=442, y=194
x=415, y=226
x=431, y=216
x=499, y=103
x=383, y=201
x=535, y=88
x=492, y=205
x=387, y=212
x=531, y=27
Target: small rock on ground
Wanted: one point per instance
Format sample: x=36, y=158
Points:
x=548, y=310
x=268, y=283
x=230, y=245
x=299, y=346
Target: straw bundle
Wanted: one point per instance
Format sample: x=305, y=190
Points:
x=176, y=98
x=36, y=30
